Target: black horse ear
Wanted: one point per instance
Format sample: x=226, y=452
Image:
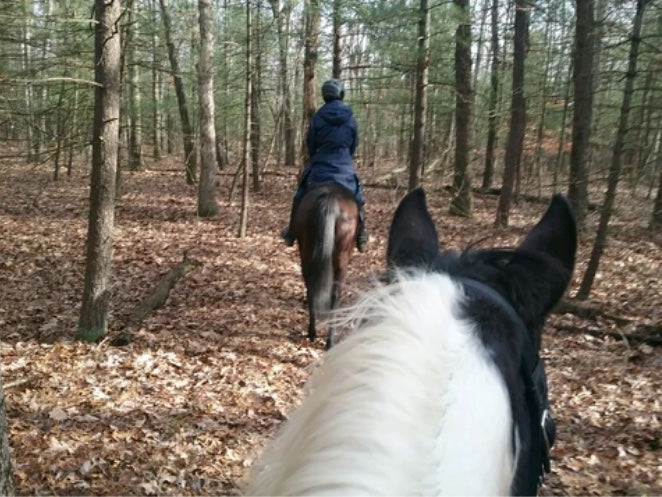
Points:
x=541, y=268
x=555, y=234
x=412, y=239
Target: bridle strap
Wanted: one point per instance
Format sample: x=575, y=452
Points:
x=532, y=369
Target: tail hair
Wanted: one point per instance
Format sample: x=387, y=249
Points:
x=320, y=282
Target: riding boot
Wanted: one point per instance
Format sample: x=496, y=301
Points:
x=288, y=233
x=361, y=235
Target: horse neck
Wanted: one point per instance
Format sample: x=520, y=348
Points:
x=410, y=403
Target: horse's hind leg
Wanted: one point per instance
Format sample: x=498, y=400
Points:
x=330, y=338
x=312, y=332
x=330, y=333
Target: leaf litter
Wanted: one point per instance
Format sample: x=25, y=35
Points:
x=185, y=407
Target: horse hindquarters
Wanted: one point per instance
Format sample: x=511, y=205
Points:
x=317, y=260
x=345, y=236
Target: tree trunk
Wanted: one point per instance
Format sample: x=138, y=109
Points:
x=93, y=322
x=135, y=116
x=517, y=114
x=256, y=74
x=223, y=146
x=560, y=154
x=311, y=40
x=246, y=156
x=656, y=218
x=282, y=15
x=207, y=205
x=6, y=485
x=187, y=129
x=337, y=26
x=461, y=201
x=123, y=140
x=535, y=166
x=479, y=45
x=649, y=129
x=28, y=94
x=72, y=130
x=601, y=86
x=616, y=160
x=420, y=99
x=59, y=126
x=156, y=93
x=583, y=108
x=493, y=115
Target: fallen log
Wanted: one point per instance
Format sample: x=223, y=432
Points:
x=647, y=333
x=159, y=295
x=588, y=311
x=629, y=338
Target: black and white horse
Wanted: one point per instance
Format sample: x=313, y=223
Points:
x=440, y=389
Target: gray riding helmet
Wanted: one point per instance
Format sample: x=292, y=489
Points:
x=333, y=89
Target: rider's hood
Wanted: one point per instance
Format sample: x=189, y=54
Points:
x=335, y=112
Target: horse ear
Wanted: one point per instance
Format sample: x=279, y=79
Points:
x=555, y=235
x=412, y=239
x=541, y=267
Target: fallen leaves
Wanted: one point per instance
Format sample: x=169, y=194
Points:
x=185, y=407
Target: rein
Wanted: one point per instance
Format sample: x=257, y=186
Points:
x=532, y=369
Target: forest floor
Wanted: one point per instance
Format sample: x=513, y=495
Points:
x=185, y=407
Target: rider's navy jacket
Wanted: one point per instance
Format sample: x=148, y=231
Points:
x=332, y=140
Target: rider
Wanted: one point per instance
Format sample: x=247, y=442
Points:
x=332, y=140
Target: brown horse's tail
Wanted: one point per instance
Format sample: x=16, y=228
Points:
x=320, y=279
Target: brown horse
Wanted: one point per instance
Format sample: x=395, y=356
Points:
x=325, y=225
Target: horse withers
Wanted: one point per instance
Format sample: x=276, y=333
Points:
x=325, y=225
x=440, y=390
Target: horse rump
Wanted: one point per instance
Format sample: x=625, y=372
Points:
x=325, y=226
x=317, y=253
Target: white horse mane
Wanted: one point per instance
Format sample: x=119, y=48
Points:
x=409, y=404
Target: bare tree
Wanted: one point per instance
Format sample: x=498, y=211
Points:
x=281, y=10
x=517, y=114
x=207, y=205
x=246, y=157
x=656, y=217
x=6, y=484
x=583, y=109
x=311, y=40
x=93, y=321
x=420, y=99
x=256, y=74
x=461, y=201
x=28, y=95
x=156, y=86
x=492, y=113
x=337, y=25
x=187, y=129
x=617, y=157
x=135, y=114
